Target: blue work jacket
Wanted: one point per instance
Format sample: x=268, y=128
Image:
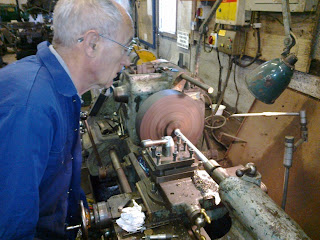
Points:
x=40, y=151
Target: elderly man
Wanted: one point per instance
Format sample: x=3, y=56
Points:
x=40, y=152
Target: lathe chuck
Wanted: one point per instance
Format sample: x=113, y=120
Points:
x=166, y=110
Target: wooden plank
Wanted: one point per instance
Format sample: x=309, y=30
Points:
x=145, y=24
x=265, y=147
x=272, y=35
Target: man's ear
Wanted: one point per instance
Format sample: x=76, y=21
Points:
x=90, y=43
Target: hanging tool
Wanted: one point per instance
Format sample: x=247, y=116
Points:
x=102, y=169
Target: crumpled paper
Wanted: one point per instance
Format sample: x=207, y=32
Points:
x=132, y=218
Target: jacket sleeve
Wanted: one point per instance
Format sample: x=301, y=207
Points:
x=26, y=137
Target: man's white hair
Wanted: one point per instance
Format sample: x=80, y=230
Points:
x=125, y=4
x=73, y=18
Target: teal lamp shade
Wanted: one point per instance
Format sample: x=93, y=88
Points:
x=270, y=79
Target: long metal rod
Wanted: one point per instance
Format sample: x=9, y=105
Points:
x=213, y=168
x=201, y=85
x=285, y=188
x=211, y=14
x=266, y=114
x=190, y=145
x=121, y=175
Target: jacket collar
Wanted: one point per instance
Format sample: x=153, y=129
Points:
x=61, y=79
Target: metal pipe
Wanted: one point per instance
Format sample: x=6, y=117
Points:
x=201, y=85
x=265, y=114
x=121, y=175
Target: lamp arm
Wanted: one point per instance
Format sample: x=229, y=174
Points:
x=203, y=27
x=289, y=40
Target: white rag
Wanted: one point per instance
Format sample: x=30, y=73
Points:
x=131, y=218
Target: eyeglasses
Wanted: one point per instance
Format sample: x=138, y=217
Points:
x=128, y=49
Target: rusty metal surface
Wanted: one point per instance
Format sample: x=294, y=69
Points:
x=153, y=202
x=181, y=192
x=265, y=147
x=167, y=110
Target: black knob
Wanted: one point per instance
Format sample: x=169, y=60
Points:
x=83, y=115
x=250, y=169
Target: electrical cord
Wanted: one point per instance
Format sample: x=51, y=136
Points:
x=258, y=53
x=220, y=71
x=214, y=111
x=231, y=60
x=208, y=125
x=236, y=87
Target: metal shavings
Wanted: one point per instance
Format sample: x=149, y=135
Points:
x=205, y=184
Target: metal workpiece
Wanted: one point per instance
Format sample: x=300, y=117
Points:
x=121, y=175
x=196, y=82
x=257, y=212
